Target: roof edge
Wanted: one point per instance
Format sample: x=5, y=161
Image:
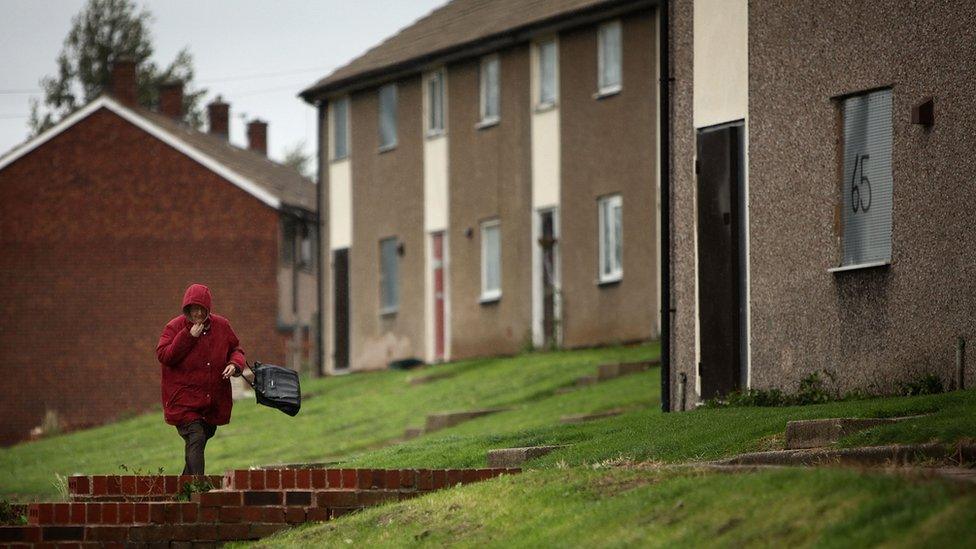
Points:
x=149, y=127
x=471, y=48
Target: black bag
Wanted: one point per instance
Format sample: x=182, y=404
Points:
x=277, y=387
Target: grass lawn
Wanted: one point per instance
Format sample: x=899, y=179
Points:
x=572, y=496
x=619, y=507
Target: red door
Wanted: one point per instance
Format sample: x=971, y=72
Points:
x=437, y=244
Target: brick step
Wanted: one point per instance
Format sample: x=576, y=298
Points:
x=390, y=479
x=135, y=535
x=261, y=510
x=120, y=487
x=232, y=513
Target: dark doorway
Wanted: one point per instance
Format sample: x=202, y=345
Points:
x=720, y=265
x=547, y=242
x=340, y=269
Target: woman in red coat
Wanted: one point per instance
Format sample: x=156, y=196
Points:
x=199, y=353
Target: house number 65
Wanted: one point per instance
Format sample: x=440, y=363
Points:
x=860, y=187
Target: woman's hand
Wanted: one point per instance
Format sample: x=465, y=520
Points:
x=230, y=370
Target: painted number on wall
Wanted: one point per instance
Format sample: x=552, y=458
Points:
x=860, y=188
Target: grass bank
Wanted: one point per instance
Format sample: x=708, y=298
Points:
x=618, y=507
x=357, y=420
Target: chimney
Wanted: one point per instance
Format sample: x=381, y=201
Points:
x=123, y=80
x=171, y=99
x=219, y=113
x=257, y=136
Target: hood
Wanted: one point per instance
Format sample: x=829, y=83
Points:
x=197, y=294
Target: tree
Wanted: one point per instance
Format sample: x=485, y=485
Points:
x=299, y=159
x=106, y=30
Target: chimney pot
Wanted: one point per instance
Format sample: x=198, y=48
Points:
x=218, y=113
x=171, y=99
x=257, y=136
x=123, y=80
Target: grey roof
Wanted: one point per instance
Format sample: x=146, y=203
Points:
x=283, y=182
x=449, y=27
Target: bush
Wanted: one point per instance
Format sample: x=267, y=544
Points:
x=929, y=384
x=192, y=487
x=10, y=515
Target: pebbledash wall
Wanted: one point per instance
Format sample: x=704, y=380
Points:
x=101, y=230
x=454, y=181
x=874, y=327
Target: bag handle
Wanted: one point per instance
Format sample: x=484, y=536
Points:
x=248, y=366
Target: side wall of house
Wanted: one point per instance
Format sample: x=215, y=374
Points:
x=387, y=201
x=101, y=230
x=490, y=179
x=609, y=147
x=871, y=327
x=682, y=191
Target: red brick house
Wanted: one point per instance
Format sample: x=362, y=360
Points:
x=104, y=221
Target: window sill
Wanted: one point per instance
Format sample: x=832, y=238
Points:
x=610, y=280
x=487, y=123
x=490, y=299
x=434, y=134
x=389, y=312
x=545, y=107
x=338, y=160
x=607, y=92
x=859, y=266
x=387, y=148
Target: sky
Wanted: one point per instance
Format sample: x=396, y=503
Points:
x=256, y=54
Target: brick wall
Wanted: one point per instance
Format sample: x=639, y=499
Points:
x=101, y=230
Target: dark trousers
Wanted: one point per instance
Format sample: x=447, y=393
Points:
x=195, y=434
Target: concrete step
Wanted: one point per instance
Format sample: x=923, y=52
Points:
x=514, y=457
x=443, y=420
x=583, y=418
x=816, y=433
x=893, y=454
x=611, y=371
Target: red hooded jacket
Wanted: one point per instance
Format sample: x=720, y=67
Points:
x=193, y=383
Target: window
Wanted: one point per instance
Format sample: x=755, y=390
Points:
x=611, y=238
x=491, y=261
x=435, y=103
x=388, y=117
x=867, y=184
x=307, y=246
x=489, y=90
x=547, y=73
x=609, y=55
x=340, y=128
x=287, y=243
x=389, y=284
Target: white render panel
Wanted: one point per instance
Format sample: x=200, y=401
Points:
x=340, y=205
x=545, y=159
x=435, y=183
x=721, y=64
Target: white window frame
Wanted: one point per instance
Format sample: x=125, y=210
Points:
x=542, y=103
x=490, y=294
x=616, y=271
x=486, y=62
x=615, y=87
x=393, y=144
x=430, y=129
x=384, y=308
x=333, y=156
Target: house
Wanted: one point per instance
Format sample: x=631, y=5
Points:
x=104, y=221
x=490, y=174
x=822, y=194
